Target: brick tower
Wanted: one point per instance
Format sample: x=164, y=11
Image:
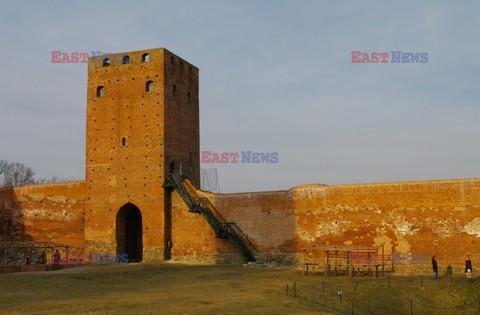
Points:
x=142, y=123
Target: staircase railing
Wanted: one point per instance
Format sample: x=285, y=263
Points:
x=217, y=222
x=241, y=233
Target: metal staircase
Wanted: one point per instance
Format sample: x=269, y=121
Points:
x=203, y=206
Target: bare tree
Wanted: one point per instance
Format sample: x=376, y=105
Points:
x=42, y=180
x=55, y=179
x=19, y=175
x=5, y=167
x=5, y=170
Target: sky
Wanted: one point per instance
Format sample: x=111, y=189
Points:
x=275, y=76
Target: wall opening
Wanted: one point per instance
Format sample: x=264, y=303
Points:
x=124, y=141
x=125, y=60
x=100, y=91
x=175, y=167
x=149, y=86
x=129, y=232
x=106, y=62
x=174, y=90
x=145, y=58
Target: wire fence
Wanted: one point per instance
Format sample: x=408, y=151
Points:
x=340, y=298
x=209, y=180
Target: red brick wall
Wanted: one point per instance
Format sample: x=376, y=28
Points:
x=182, y=125
x=433, y=217
x=43, y=213
x=118, y=174
x=159, y=127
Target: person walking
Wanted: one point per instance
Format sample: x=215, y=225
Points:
x=468, y=264
x=56, y=260
x=435, y=267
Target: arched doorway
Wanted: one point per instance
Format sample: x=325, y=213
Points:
x=129, y=232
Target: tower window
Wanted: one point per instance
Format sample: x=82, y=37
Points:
x=188, y=98
x=174, y=90
x=125, y=60
x=149, y=87
x=172, y=60
x=100, y=91
x=124, y=141
x=106, y=62
x=145, y=58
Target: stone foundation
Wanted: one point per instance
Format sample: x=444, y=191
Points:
x=153, y=254
x=100, y=247
x=208, y=259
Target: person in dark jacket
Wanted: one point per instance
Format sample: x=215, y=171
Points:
x=435, y=267
x=468, y=264
x=56, y=260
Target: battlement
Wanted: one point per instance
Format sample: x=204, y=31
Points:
x=138, y=57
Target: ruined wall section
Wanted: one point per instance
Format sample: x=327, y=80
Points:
x=43, y=213
x=424, y=217
x=433, y=217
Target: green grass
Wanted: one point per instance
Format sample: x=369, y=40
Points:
x=225, y=289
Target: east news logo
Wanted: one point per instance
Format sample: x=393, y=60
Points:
x=383, y=57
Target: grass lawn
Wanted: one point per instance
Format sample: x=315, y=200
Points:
x=227, y=289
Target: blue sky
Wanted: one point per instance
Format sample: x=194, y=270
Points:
x=275, y=76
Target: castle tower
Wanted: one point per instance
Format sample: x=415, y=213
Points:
x=142, y=122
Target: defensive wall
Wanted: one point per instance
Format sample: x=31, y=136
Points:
x=439, y=217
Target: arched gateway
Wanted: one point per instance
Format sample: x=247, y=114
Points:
x=129, y=232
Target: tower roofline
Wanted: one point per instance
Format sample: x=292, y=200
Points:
x=146, y=51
